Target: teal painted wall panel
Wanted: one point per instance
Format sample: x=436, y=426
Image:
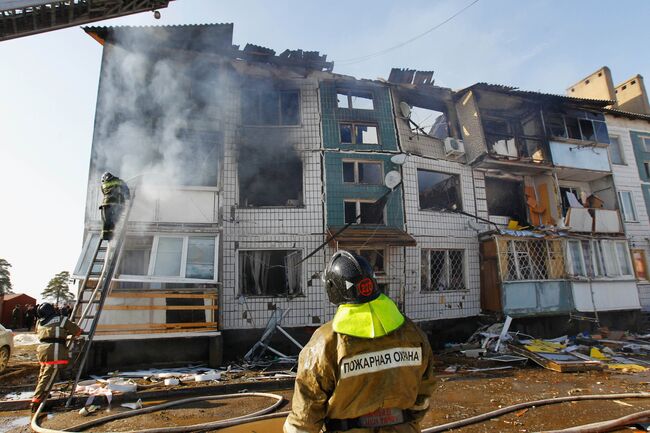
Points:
x=338, y=191
x=382, y=116
x=642, y=155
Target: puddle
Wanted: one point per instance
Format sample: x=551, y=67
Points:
x=273, y=425
x=13, y=423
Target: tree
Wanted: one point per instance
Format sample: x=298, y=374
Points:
x=5, y=277
x=58, y=288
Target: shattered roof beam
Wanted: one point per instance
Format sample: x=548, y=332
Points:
x=29, y=17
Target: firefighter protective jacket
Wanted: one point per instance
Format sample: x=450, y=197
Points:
x=115, y=192
x=345, y=377
x=53, y=334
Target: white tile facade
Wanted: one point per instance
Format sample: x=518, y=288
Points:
x=626, y=178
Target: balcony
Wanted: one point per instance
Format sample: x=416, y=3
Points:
x=190, y=205
x=589, y=220
x=570, y=155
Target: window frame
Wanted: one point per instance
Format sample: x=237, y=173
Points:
x=354, y=126
x=645, y=141
x=356, y=163
x=635, y=215
x=150, y=277
x=459, y=184
x=349, y=93
x=607, y=253
x=616, y=139
x=579, y=121
x=380, y=251
x=240, y=293
x=428, y=289
x=358, y=202
x=258, y=103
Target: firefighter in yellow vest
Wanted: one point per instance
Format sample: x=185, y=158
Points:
x=368, y=370
x=52, y=331
x=116, y=193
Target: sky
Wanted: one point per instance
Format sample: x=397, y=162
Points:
x=49, y=83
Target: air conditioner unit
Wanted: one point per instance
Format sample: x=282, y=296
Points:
x=454, y=147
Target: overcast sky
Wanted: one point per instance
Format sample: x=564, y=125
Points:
x=49, y=83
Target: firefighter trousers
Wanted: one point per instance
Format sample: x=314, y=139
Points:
x=46, y=378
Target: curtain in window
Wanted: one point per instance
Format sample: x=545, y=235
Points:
x=293, y=273
x=260, y=261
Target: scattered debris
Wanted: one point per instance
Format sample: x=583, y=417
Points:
x=133, y=406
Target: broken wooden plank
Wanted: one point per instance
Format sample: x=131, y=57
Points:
x=560, y=362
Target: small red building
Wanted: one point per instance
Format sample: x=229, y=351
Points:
x=7, y=304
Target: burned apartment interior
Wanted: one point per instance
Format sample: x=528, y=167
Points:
x=249, y=160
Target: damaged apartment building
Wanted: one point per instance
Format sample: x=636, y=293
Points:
x=243, y=162
x=547, y=176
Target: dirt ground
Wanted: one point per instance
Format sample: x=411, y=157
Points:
x=457, y=396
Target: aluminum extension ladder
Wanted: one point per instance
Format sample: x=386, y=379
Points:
x=93, y=292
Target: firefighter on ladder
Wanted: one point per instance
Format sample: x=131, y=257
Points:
x=52, y=331
x=368, y=370
x=116, y=193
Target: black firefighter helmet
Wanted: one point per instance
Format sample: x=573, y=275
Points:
x=349, y=279
x=107, y=177
x=45, y=311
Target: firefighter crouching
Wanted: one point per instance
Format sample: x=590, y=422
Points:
x=368, y=370
x=52, y=331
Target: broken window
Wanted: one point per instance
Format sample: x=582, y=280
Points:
x=571, y=197
x=362, y=172
x=136, y=255
x=627, y=206
x=505, y=198
x=370, y=212
x=198, y=164
x=270, y=272
x=442, y=270
x=375, y=258
x=354, y=99
x=270, y=174
x=263, y=106
x=640, y=264
x=439, y=191
x=427, y=121
x=578, y=126
x=500, y=137
x=358, y=133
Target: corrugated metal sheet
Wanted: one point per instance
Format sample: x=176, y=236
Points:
x=601, y=103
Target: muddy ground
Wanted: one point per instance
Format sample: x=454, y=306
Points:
x=457, y=396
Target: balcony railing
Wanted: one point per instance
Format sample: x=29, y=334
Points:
x=593, y=220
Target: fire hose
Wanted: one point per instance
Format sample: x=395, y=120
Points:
x=264, y=414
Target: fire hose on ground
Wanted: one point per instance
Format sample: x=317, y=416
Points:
x=264, y=414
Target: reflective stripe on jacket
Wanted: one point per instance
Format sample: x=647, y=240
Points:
x=345, y=377
x=115, y=191
x=59, y=328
